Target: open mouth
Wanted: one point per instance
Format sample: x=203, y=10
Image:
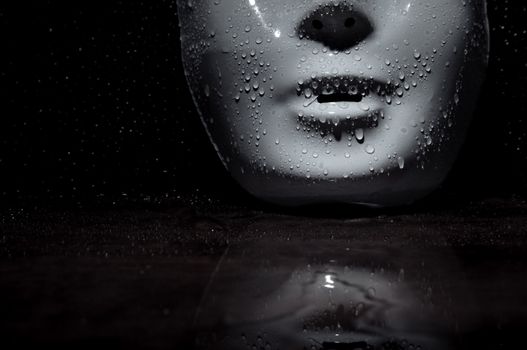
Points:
x=342, y=85
x=342, y=105
x=339, y=97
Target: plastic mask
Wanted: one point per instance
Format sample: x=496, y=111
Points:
x=314, y=101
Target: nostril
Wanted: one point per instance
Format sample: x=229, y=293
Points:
x=350, y=22
x=338, y=27
x=317, y=24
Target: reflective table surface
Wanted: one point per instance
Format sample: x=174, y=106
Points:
x=199, y=278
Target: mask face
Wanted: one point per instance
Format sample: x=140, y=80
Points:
x=326, y=101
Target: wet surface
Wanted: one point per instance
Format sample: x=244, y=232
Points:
x=184, y=277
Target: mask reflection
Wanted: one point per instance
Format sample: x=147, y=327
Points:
x=367, y=301
x=355, y=101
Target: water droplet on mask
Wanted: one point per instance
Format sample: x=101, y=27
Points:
x=369, y=149
x=359, y=135
x=364, y=107
x=400, y=161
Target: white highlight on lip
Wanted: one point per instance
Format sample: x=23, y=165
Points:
x=277, y=33
x=330, y=284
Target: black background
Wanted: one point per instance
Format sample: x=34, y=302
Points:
x=97, y=123
x=95, y=110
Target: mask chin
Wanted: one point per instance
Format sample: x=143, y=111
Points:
x=330, y=102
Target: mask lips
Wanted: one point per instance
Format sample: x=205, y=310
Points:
x=347, y=87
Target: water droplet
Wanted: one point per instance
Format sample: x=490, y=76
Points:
x=359, y=135
x=364, y=107
x=400, y=161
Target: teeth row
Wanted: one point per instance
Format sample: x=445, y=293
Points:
x=350, y=86
x=372, y=119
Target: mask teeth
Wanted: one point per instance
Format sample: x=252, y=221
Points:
x=343, y=85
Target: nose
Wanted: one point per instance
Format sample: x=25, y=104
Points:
x=338, y=27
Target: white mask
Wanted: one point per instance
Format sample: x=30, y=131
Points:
x=335, y=101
